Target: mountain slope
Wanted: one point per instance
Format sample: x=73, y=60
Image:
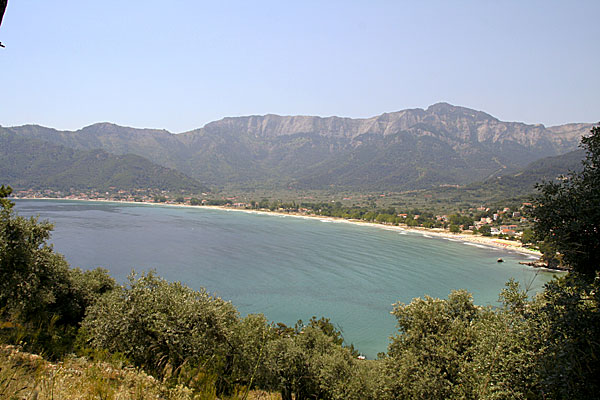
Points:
x=31, y=163
x=543, y=170
x=409, y=149
x=514, y=184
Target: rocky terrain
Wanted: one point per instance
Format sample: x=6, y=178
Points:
x=409, y=149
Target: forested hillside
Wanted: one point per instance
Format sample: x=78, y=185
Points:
x=199, y=347
x=34, y=164
x=409, y=149
x=545, y=169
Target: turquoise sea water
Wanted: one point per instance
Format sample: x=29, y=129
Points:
x=285, y=267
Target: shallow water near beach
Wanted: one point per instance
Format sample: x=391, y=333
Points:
x=284, y=267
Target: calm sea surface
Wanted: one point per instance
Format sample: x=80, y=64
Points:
x=284, y=267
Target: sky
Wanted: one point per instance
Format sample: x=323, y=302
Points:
x=180, y=64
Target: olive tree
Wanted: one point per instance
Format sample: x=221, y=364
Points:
x=569, y=360
x=161, y=326
x=39, y=293
x=35, y=281
x=506, y=347
x=428, y=357
x=567, y=213
x=310, y=362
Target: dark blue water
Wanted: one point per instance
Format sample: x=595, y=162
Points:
x=285, y=267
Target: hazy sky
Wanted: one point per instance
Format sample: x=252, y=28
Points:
x=180, y=64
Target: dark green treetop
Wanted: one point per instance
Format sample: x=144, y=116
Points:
x=567, y=213
x=5, y=191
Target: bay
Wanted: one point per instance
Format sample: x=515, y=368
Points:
x=285, y=267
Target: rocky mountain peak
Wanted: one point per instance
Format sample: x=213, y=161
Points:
x=413, y=148
x=438, y=116
x=108, y=128
x=101, y=127
x=445, y=110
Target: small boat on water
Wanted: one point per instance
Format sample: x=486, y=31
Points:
x=500, y=260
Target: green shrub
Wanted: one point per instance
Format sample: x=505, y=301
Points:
x=427, y=358
x=161, y=326
x=569, y=360
x=34, y=281
x=42, y=300
x=310, y=362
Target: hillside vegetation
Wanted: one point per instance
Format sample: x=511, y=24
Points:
x=28, y=376
x=196, y=344
x=404, y=150
x=508, y=186
x=34, y=164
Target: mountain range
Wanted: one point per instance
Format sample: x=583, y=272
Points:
x=405, y=150
x=27, y=163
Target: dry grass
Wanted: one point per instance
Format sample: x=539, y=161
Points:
x=29, y=376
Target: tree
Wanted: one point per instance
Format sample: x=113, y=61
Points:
x=34, y=281
x=457, y=219
x=452, y=349
x=5, y=191
x=38, y=290
x=370, y=216
x=528, y=236
x=567, y=213
x=250, y=339
x=506, y=348
x=161, y=325
x=263, y=203
x=569, y=360
x=309, y=362
x=485, y=230
x=428, y=358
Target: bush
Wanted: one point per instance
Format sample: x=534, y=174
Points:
x=307, y=362
x=41, y=298
x=161, y=326
x=567, y=214
x=34, y=281
x=427, y=358
x=569, y=360
x=506, y=347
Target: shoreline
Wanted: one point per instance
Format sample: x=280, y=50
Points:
x=436, y=232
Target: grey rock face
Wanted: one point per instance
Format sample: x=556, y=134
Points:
x=408, y=149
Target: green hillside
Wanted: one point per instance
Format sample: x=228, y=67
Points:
x=517, y=184
x=405, y=150
x=543, y=170
x=35, y=164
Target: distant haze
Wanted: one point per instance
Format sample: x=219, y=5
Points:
x=286, y=268
x=179, y=65
x=405, y=150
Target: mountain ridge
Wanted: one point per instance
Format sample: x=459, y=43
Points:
x=437, y=106
x=407, y=149
x=34, y=164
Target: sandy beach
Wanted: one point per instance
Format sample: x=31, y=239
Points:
x=462, y=237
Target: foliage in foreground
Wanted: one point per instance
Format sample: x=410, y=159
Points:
x=163, y=326
x=540, y=348
x=182, y=335
x=524, y=349
x=39, y=293
x=28, y=376
x=567, y=214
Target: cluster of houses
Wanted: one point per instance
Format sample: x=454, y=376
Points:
x=137, y=195
x=513, y=229
x=501, y=222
